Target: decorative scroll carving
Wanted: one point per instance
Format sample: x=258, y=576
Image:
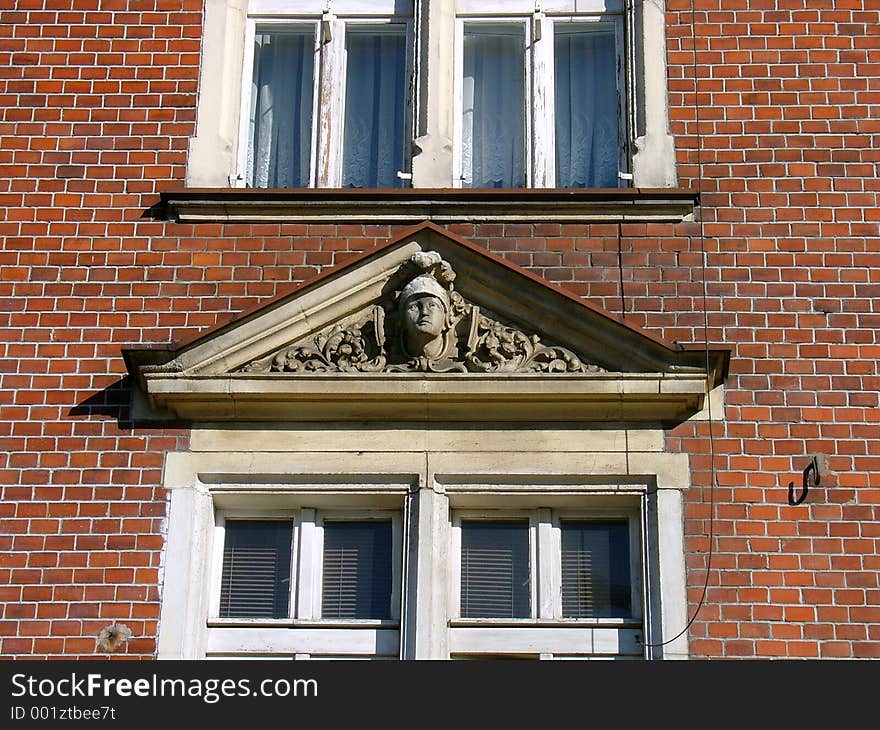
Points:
x=500, y=349
x=356, y=347
x=422, y=325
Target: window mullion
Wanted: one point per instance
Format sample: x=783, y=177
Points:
x=309, y=566
x=397, y=548
x=455, y=568
x=623, y=93
x=547, y=562
x=244, y=119
x=219, y=538
x=458, y=172
x=541, y=137
x=331, y=102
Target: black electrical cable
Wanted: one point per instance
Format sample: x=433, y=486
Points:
x=705, y=298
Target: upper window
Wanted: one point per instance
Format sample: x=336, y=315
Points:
x=487, y=93
x=326, y=99
x=541, y=101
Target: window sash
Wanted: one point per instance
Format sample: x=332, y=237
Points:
x=539, y=94
x=375, y=124
x=546, y=564
x=304, y=577
x=493, y=119
x=495, y=569
x=357, y=573
x=587, y=106
x=280, y=137
x=595, y=569
x=255, y=580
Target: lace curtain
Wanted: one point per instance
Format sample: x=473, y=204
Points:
x=493, y=108
x=374, y=109
x=586, y=109
x=281, y=110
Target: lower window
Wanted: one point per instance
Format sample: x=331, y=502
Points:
x=555, y=581
x=533, y=583
x=332, y=577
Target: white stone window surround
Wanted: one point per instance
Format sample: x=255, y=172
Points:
x=426, y=487
x=214, y=157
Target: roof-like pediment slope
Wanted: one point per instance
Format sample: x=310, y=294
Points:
x=426, y=326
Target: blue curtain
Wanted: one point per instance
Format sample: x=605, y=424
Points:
x=587, y=129
x=375, y=104
x=281, y=110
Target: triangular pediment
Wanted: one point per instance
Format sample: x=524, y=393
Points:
x=434, y=321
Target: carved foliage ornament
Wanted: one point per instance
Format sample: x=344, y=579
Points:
x=422, y=325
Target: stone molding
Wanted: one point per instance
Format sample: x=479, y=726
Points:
x=511, y=348
x=242, y=205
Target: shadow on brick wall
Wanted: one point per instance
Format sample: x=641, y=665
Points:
x=114, y=401
x=124, y=402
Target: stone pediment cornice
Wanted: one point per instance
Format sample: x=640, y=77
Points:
x=427, y=327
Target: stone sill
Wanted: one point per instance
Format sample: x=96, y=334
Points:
x=408, y=205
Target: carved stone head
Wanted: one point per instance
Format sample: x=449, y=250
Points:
x=424, y=307
x=424, y=313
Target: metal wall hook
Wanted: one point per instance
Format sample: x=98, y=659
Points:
x=813, y=466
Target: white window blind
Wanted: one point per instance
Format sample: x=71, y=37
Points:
x=495, y=570
x=595, y=570
x=357, y=570
x=256, y=569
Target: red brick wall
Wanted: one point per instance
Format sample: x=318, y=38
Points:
x=97, y=102
x=782, y=140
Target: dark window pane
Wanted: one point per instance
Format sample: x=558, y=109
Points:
x=495, y=570
x=281, y=110
x=256, y=570
x=375, y=105
x=595, y=570
x=357, y=570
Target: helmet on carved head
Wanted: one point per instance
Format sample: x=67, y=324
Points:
x=421, y=286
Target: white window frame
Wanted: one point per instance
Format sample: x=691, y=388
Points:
x=329, y=75
x=539, y=154
x=334, y=637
